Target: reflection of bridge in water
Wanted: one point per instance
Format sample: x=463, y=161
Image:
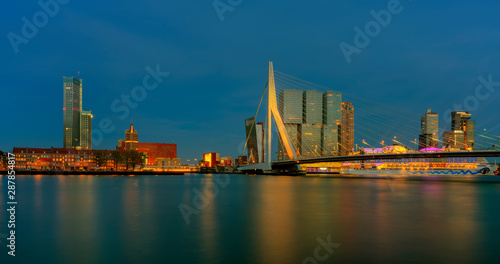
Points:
x=290, y=158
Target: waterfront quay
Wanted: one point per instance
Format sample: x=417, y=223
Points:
x=251, y=219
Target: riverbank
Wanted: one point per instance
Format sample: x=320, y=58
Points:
x=46, y=172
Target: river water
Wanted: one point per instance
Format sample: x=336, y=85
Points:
x=250, y=219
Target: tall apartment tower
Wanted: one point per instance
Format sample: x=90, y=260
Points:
x=332, y=117
x=131, y=139
x=290, y=104
x=346, y=130
x=454, y=139
x=312, y=121
x=252, y=142
x=260, y=140
x=86, y=130
x=310, y=137
x=429, y=136
x=71, y=111
x=460, y=120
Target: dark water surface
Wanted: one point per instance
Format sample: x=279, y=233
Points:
x=250, y=219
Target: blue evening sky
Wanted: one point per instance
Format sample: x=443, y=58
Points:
x=429, y=55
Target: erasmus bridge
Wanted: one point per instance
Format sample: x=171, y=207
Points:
x=378, y=129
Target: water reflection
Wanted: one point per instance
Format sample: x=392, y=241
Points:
x=258, y=219
x=276, y=220
x=77, y=217
x=209, y=226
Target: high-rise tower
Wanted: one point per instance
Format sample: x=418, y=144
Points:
x=332, y=117
x=460, y=120
x=310, y=137
x=291, y=110
x=131, y=139
x=429, y=136
x=346, y=130
x=252, y=143
x=71, y=111
x=86, y=130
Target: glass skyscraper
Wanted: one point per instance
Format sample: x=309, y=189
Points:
x=346, y=130
x=71, y=111
x=312, y=124
x=252, y=145
x=313, y=107
x=77, y=124
x=86, y=130
x=332, y=117
x=460, y=120
x=290, y=106
x=312, y=121
x=429, y=136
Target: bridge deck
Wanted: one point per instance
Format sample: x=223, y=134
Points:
x=391, y=156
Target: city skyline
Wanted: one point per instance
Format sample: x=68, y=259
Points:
x=234, y=131
x=225, y=78
x=301, y=115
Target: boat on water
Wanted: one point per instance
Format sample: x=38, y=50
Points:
x=422, y=168
x=482, y=171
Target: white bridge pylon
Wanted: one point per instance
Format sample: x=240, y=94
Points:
x=272, y=111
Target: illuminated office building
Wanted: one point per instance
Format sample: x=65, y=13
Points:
x=312, y=120
x=460, y=120
x=310, y=140
x=150, y=153
x=454, y=139
x=71, y=111
x=312, y=104
x=332, y=116
x=260, y=141
x=86, y=130
x=77, y=124
x=346, y=130
x=131, y=139
x=252, y=140
x=429, y=136
x=290, y=106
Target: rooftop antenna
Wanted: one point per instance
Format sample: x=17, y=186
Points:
x=78, y=75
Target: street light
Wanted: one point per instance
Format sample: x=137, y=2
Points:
x=397, y=141
x=364, y=142
x=415, y=143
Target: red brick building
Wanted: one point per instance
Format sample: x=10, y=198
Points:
x=154, y=151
